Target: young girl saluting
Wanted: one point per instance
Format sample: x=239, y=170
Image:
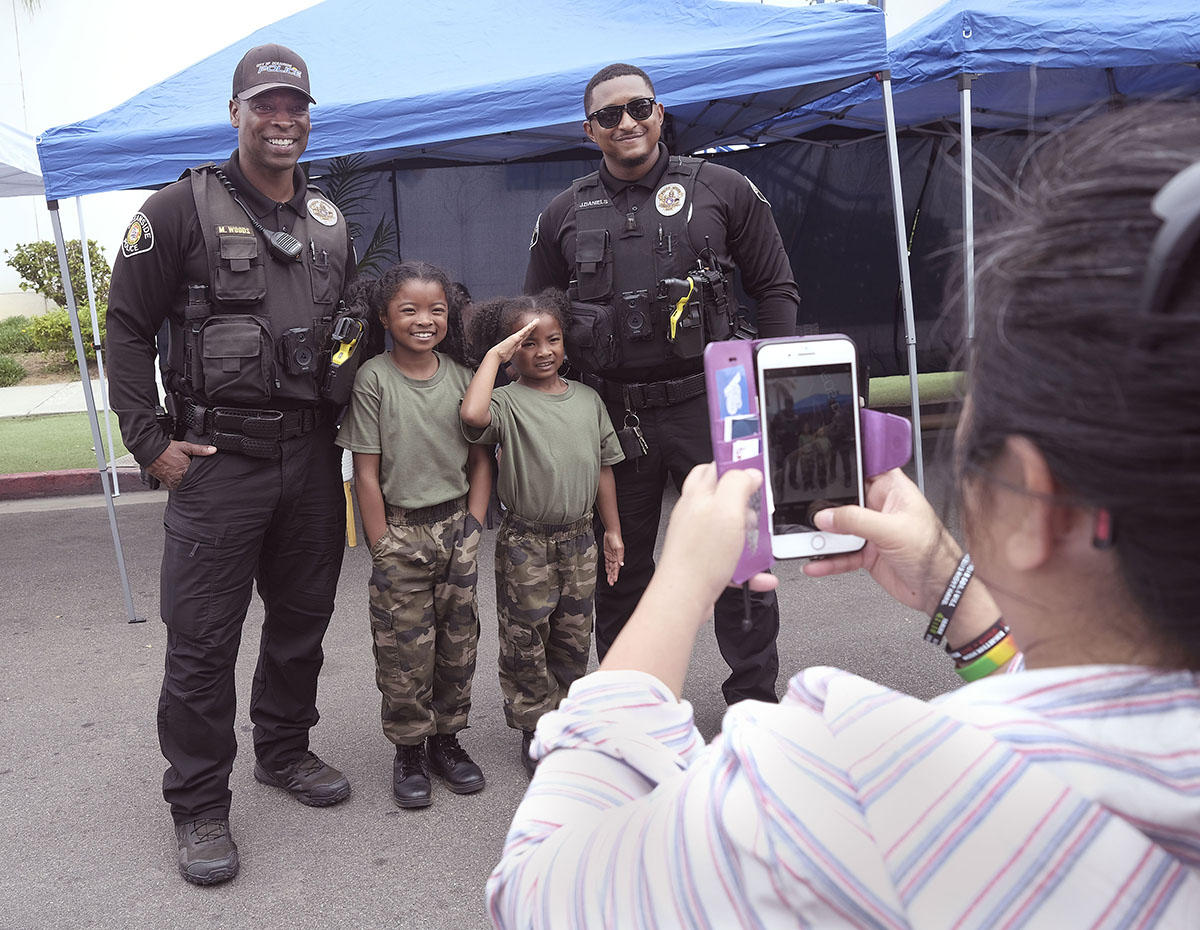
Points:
x=557, y=449
x=422, y=491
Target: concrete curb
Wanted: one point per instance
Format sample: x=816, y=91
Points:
x=62, y=483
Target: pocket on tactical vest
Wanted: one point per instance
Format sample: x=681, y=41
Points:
x=237, y=364
x=240, y=276
x=593, y=264
x=592, y=336
x=322, y=284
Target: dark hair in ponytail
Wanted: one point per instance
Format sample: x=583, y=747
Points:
x=1061, y=355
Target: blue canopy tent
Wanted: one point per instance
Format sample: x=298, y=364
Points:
x=482, y=81
x=1017, y=64
x=476, y=81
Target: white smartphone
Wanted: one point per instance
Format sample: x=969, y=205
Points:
x=812, y=449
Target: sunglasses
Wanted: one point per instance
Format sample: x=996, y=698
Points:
x=609, y=117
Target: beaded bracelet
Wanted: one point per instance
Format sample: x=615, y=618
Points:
x=990, y=661
x=936, y=631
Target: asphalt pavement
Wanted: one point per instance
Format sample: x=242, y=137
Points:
x=88, y=838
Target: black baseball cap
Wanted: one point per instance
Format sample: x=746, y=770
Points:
x=267, y=67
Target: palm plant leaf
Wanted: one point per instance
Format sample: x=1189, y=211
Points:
x=381, y=250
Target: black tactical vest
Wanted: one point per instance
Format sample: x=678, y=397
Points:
x=261, y=337
x=632, y=306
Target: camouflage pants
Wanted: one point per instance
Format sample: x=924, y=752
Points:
x=424, y=619
x=545, y=595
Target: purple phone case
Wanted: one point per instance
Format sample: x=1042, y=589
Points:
x=724, y=364
x=886, y=437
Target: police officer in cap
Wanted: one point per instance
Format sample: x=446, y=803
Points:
x=647, y=246
x=246, y=263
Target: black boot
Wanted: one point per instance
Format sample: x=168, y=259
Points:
x=207, y=853
x=450, y=762
x=410, y=777
x=526, y=759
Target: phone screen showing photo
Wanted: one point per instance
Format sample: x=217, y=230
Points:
x=810, y=434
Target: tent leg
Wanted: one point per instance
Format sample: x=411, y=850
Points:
x=968, y=199
x=910, y=326
x=87, y=274
x=65, y=271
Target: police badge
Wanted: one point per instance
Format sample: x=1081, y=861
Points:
x=669, y=199
x=322, y=211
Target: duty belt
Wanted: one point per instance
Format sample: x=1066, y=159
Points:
x=246, y=431
x=640, y=395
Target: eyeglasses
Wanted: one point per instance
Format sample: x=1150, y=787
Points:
x=609, y=117
x=1177, y=204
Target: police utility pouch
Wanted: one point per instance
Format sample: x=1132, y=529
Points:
x=236, y=364
x=593, y=263
x=240, y=275
x=591, y=336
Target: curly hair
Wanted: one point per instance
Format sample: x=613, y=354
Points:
x=389, y=283
x=496, y=319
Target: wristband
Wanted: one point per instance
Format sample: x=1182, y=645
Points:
x=940, y=620
x=991, y=660
x=971, y=651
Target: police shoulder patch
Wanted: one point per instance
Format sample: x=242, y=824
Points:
x=534, y=238
x=757, y=192
x=139, y=237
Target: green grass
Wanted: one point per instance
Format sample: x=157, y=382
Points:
x=50, y=443
x=933, y=387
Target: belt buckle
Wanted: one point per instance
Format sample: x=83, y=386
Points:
x=263, y=424
x=656, y=394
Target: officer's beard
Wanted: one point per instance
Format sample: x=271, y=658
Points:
x=645, y=162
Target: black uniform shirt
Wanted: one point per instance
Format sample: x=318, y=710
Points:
x=146, y=281
x=729, y=211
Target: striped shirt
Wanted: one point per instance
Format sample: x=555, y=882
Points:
x=1055, y=798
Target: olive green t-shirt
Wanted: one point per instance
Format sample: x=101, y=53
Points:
x=552, y=448
x=414, y=427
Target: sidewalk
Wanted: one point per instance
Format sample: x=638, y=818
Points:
x=27, y=400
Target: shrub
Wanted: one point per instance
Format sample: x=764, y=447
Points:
x=37, y=264
x=15, y=337
x=11, y=371
x=51, y=332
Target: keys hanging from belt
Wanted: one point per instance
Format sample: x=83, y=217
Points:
x=633, y=443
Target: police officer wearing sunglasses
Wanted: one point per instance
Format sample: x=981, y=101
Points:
x=647, y=247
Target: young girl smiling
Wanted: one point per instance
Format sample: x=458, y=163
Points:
x=423, y=492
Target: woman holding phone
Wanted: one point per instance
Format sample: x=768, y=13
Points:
x=1060, y=786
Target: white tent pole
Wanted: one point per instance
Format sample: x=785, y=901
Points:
x=65, y=271
x=968, y=198
x=91, y=292
x=910, y=326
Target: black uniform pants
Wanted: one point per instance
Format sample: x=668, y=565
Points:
x=678, y=440
x=232, y=521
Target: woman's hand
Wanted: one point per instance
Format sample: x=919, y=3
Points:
x=707, y=530
x=909, y=552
